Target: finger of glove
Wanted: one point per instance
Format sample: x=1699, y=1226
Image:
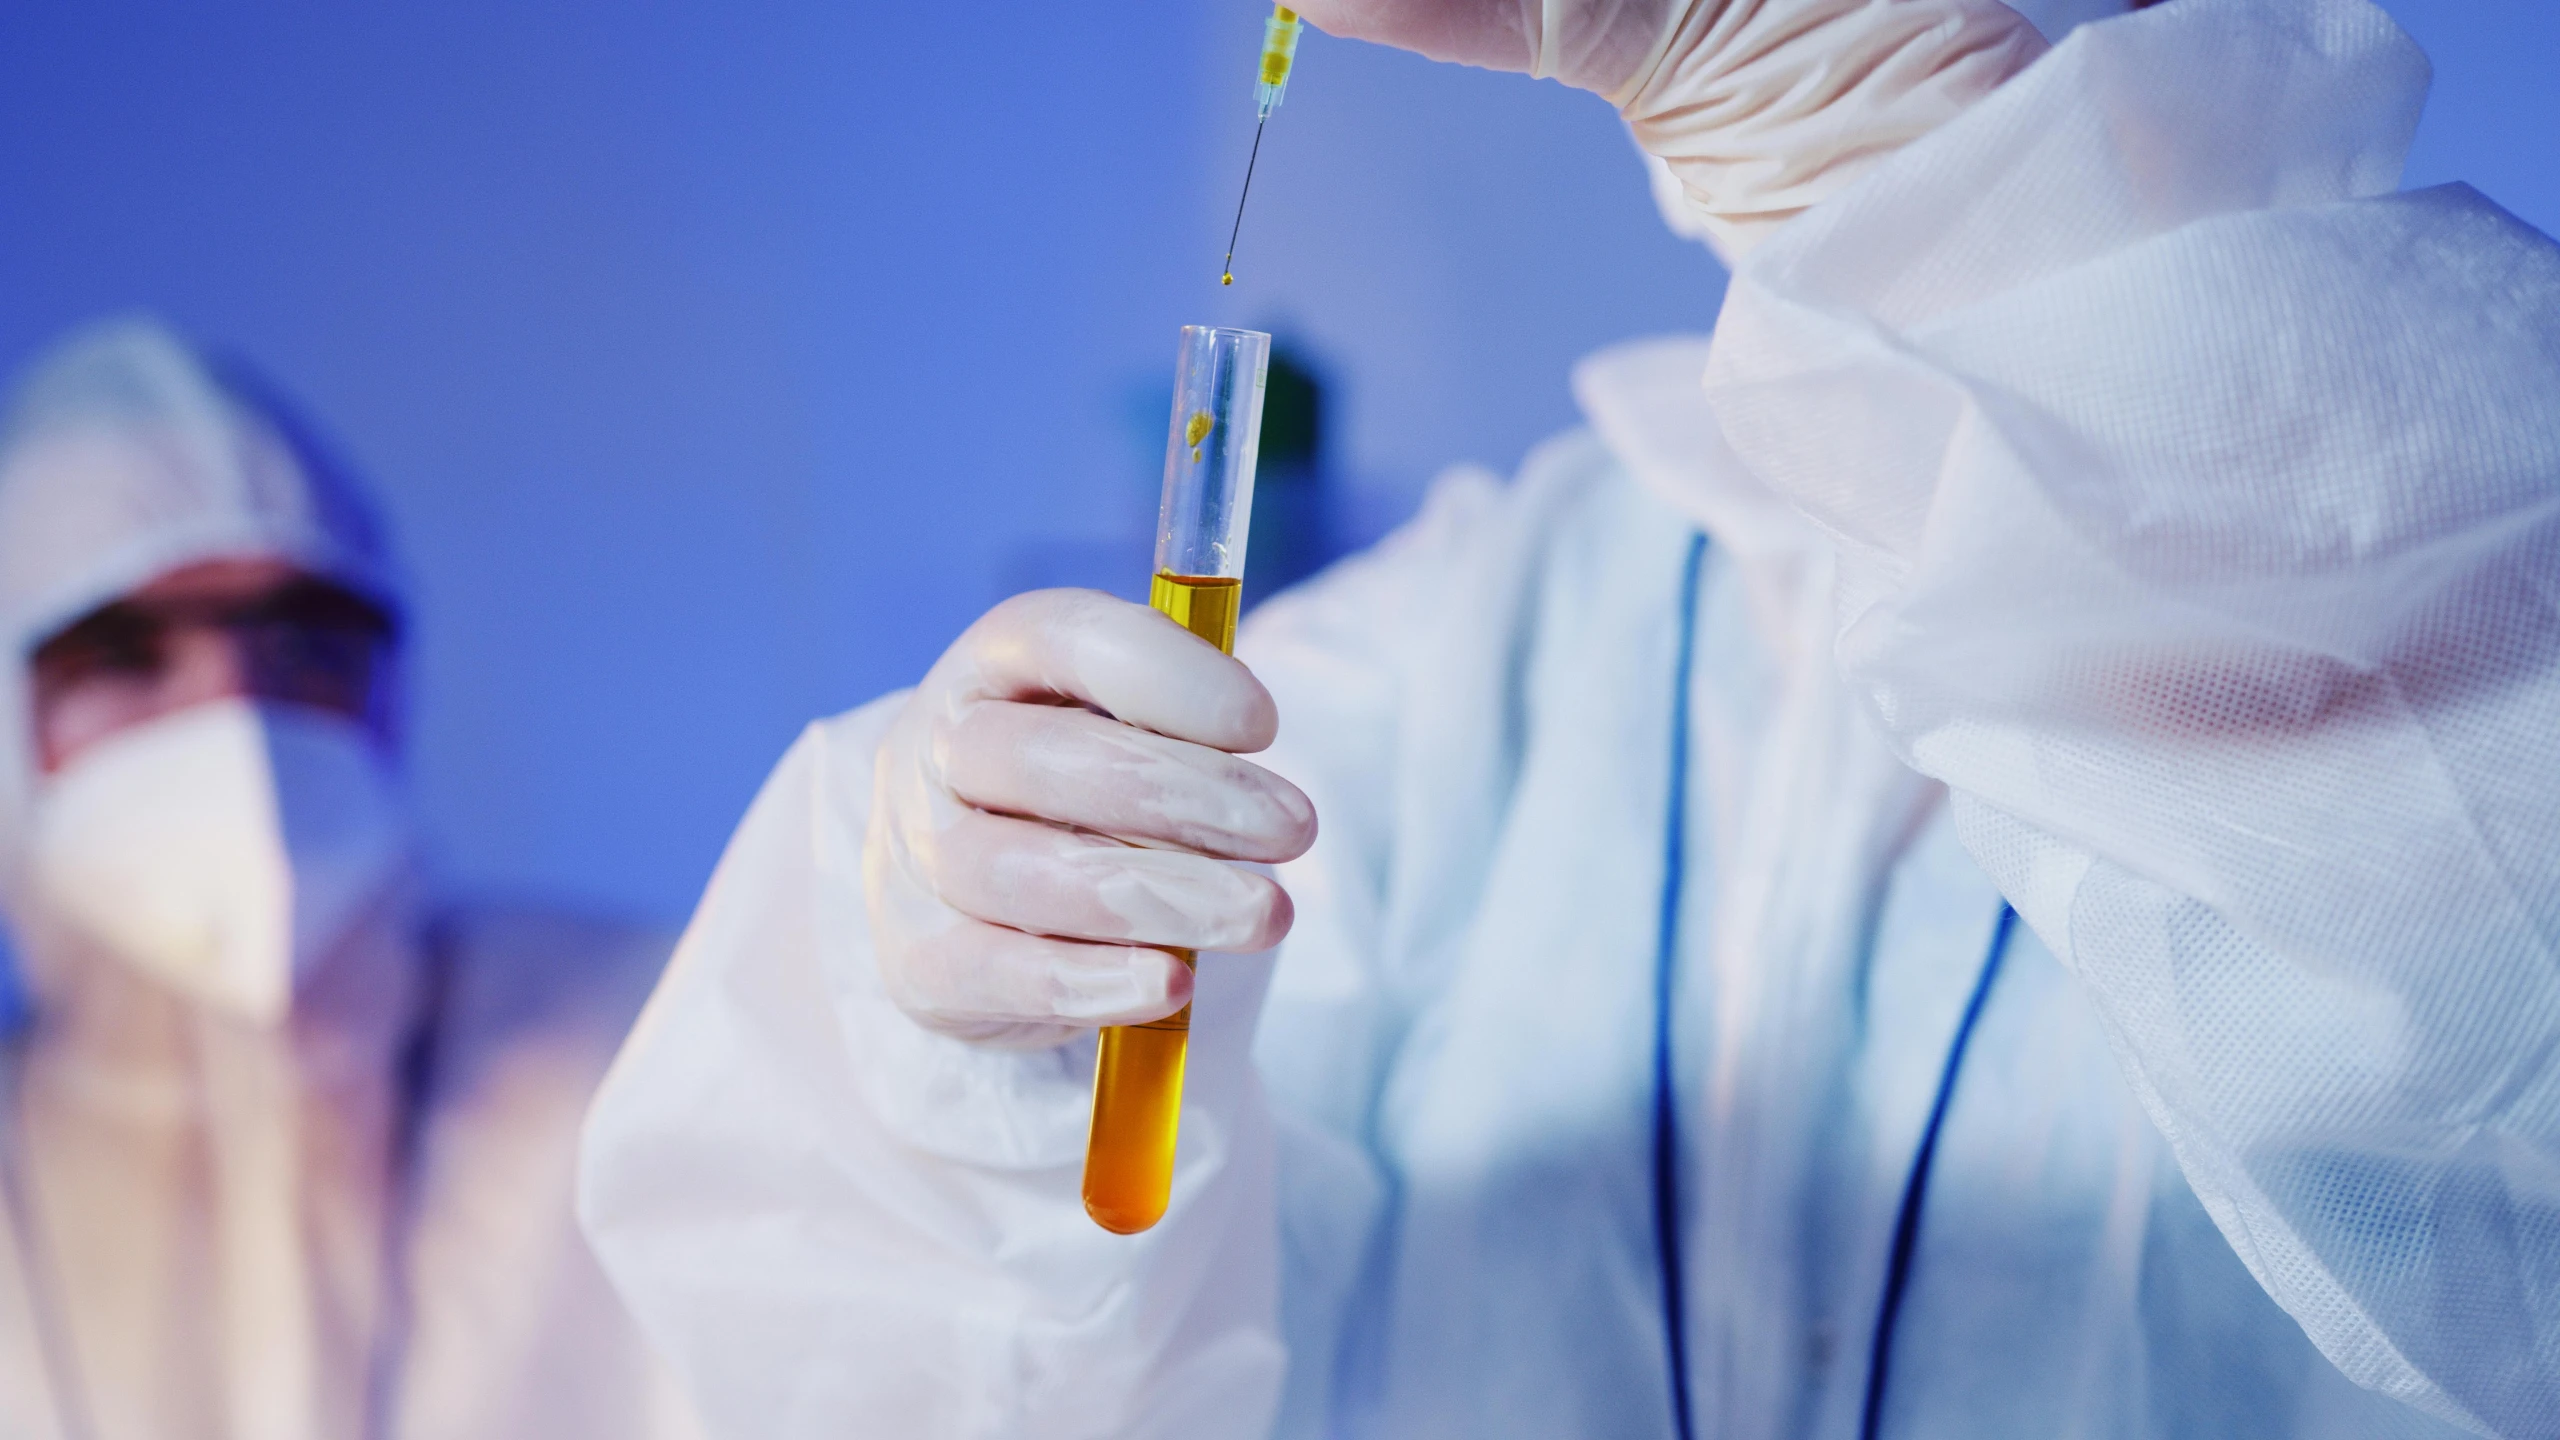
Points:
x=1496, y=34
x=1596, y=45
x=1043, y=879
x=1071, y=767
x=963, y=976
x=1125, y=660
x=982, y=981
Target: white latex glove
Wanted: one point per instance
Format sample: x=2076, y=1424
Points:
x=1759, y=107
x=1056, y=800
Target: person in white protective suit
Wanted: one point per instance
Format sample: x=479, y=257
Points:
x=2108, y=498
x=285, y=1153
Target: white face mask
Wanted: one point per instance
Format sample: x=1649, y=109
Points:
x=224, y=848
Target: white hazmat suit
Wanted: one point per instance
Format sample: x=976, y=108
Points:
x=2117, y=504
x=315, y=1202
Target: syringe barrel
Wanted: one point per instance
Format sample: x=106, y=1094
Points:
x=1279, y=56
x=1210, y=452
x=1199, y=583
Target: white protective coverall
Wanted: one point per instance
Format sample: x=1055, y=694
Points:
x=2181, y=501
x=356, y=1221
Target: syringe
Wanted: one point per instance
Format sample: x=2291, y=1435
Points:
x=1279, y=57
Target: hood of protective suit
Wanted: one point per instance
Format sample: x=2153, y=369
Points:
x=124, y=454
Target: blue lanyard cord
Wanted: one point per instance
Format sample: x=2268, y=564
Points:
x=1906, y=1224
x=1666, y=1124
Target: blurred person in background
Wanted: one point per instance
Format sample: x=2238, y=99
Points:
x=286, y=1149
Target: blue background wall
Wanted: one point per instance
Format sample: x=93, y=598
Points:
x=718, y=363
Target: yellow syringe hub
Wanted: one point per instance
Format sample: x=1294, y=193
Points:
x=1279, y=56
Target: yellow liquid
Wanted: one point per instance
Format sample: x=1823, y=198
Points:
x=1205, y=605
x=1137, y=1075
x=1279, y=46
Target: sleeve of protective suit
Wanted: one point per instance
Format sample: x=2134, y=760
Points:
x=832, y=1220
x=2198, y=504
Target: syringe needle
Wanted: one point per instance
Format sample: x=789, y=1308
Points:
x=1227, y=270
x=1279, y=57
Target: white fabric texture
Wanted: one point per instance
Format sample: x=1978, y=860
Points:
x=2154, y=462
x=2055, y=19
x=2196, y=503
x=346, y=1216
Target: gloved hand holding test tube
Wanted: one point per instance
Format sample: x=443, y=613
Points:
x=1201, y=530
x=1059, y=806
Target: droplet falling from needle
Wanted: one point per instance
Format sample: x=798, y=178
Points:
x=1227, y=272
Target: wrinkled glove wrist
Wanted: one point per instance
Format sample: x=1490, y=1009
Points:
x=1758, y=107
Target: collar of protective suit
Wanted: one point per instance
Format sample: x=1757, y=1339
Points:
x=1645, y=400
x=355, y=1223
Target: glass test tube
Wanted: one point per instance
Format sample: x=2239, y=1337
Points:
x=1199, y=580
